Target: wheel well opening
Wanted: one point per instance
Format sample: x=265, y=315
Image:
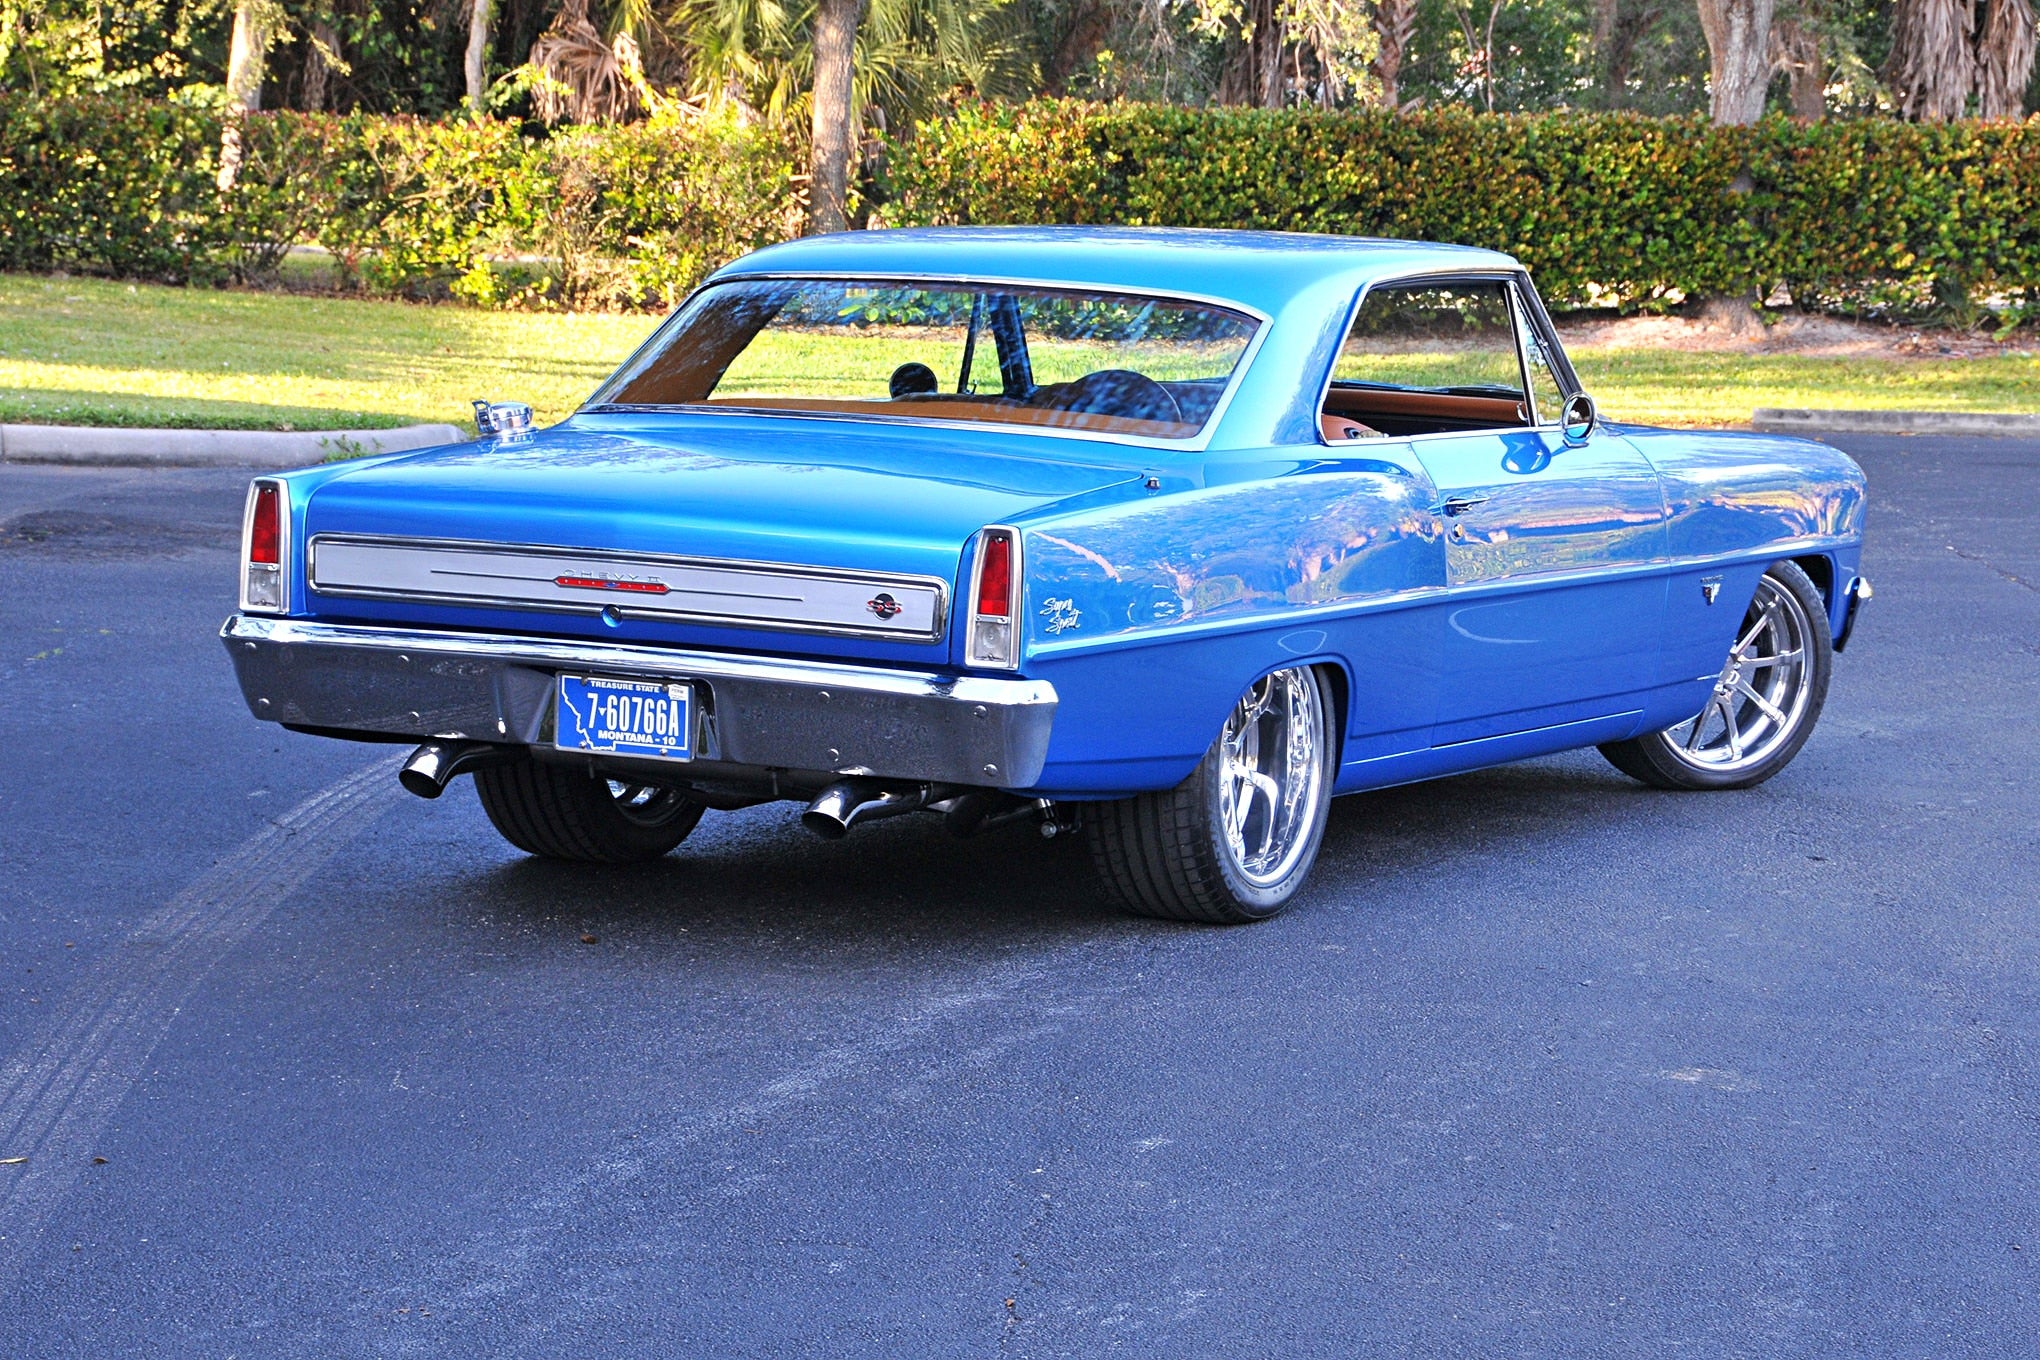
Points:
x=1335, y=681
x=1822, y=572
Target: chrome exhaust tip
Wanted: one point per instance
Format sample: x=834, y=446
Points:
x=852, y=802
x=433, y=766
x=834, y=810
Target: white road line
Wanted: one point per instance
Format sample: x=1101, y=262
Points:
x=58, y=1092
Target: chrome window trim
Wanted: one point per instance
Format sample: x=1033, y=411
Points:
x=1197, y=443
x=937, y=632
x=286, y=532
x=1520, y=313
x=1569, y=383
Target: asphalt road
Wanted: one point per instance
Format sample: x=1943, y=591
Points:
x=1544, y=1064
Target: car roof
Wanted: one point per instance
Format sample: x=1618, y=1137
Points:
x=1261, y=270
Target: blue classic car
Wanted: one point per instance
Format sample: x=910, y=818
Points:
x=1161, y=536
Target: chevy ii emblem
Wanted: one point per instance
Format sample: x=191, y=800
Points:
x=883, y=605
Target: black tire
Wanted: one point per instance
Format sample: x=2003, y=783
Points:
x=1167, y=855
x=1659, y=758
x=559, y=812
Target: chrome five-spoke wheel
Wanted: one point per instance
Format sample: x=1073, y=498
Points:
x=1235, y=840
x=1269, y=768
x=1765, y=701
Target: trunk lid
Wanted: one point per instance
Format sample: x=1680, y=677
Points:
x=801, y=536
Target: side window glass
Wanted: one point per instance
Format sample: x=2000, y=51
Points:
x=1546, y=397
x=1451, y=339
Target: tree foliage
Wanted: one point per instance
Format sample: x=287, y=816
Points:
x=1918, y=58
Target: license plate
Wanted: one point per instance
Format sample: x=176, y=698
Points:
x=624, y=717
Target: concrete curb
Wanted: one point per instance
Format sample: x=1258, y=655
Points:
x=1779, y=420
x=105, y=446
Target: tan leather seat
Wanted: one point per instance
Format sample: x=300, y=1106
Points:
x=1341, y=429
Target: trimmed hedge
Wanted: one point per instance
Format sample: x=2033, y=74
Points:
x=623, y=216
x=1606, y=209
x=1603, y=208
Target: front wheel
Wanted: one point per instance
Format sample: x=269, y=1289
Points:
x=1234, y=841
x=1765, y=702
x=560, y=812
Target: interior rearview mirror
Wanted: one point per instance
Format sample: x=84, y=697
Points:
x=1576, y=421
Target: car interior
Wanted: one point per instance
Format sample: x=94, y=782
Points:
x=985, y=356
x=1423, y=356
x=1430, y=357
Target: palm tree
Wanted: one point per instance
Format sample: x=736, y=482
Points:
x=585, y=78
x=907, y=54
x=2005, y=49
x=1944, y=51
x=852, y=64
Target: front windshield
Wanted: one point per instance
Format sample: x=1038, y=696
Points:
x=1107, y=363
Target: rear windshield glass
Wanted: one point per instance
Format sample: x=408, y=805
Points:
x=1110, y=363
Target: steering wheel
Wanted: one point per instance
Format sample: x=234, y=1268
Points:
x=1119, y=392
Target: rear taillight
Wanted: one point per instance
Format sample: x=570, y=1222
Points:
x=995, y=600
x=265, y=539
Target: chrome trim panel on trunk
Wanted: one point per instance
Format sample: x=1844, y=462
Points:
x=574, y=580
x=758, y=711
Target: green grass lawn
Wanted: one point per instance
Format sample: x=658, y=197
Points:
x=89, y=352
x=1673, y=387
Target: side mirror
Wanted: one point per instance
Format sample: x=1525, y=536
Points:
x=1576, y=420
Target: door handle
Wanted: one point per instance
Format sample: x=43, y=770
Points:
x=1459, y=505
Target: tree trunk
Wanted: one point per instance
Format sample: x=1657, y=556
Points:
x=1090, y=25
x=2004, y=58
x=322, y=50
x=1805, y=68
x=1252, y=70
x=1394, y=22
x=1605, y=12
x=1932, y=66
x=477, y=64
x=248, y=52
x=1739, y=57
x=835, y=48
x=1616, y=33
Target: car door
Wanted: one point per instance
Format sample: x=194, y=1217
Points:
x=1554, y=602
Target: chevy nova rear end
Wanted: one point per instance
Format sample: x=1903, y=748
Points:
x=1167, y=535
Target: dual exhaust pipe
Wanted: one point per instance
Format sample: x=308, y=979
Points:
x=435, y=764
x=853, y=802
x=965, y=810
x=835, y=810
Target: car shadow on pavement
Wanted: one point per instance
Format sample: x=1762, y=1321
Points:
x=756, y=874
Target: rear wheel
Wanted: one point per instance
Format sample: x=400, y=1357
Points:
x=1234, y=841
x=559, y=812
x=1765, y=702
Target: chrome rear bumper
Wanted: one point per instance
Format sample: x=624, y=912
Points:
x=767, y=713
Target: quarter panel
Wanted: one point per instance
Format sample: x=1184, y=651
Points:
x=1151, y=617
